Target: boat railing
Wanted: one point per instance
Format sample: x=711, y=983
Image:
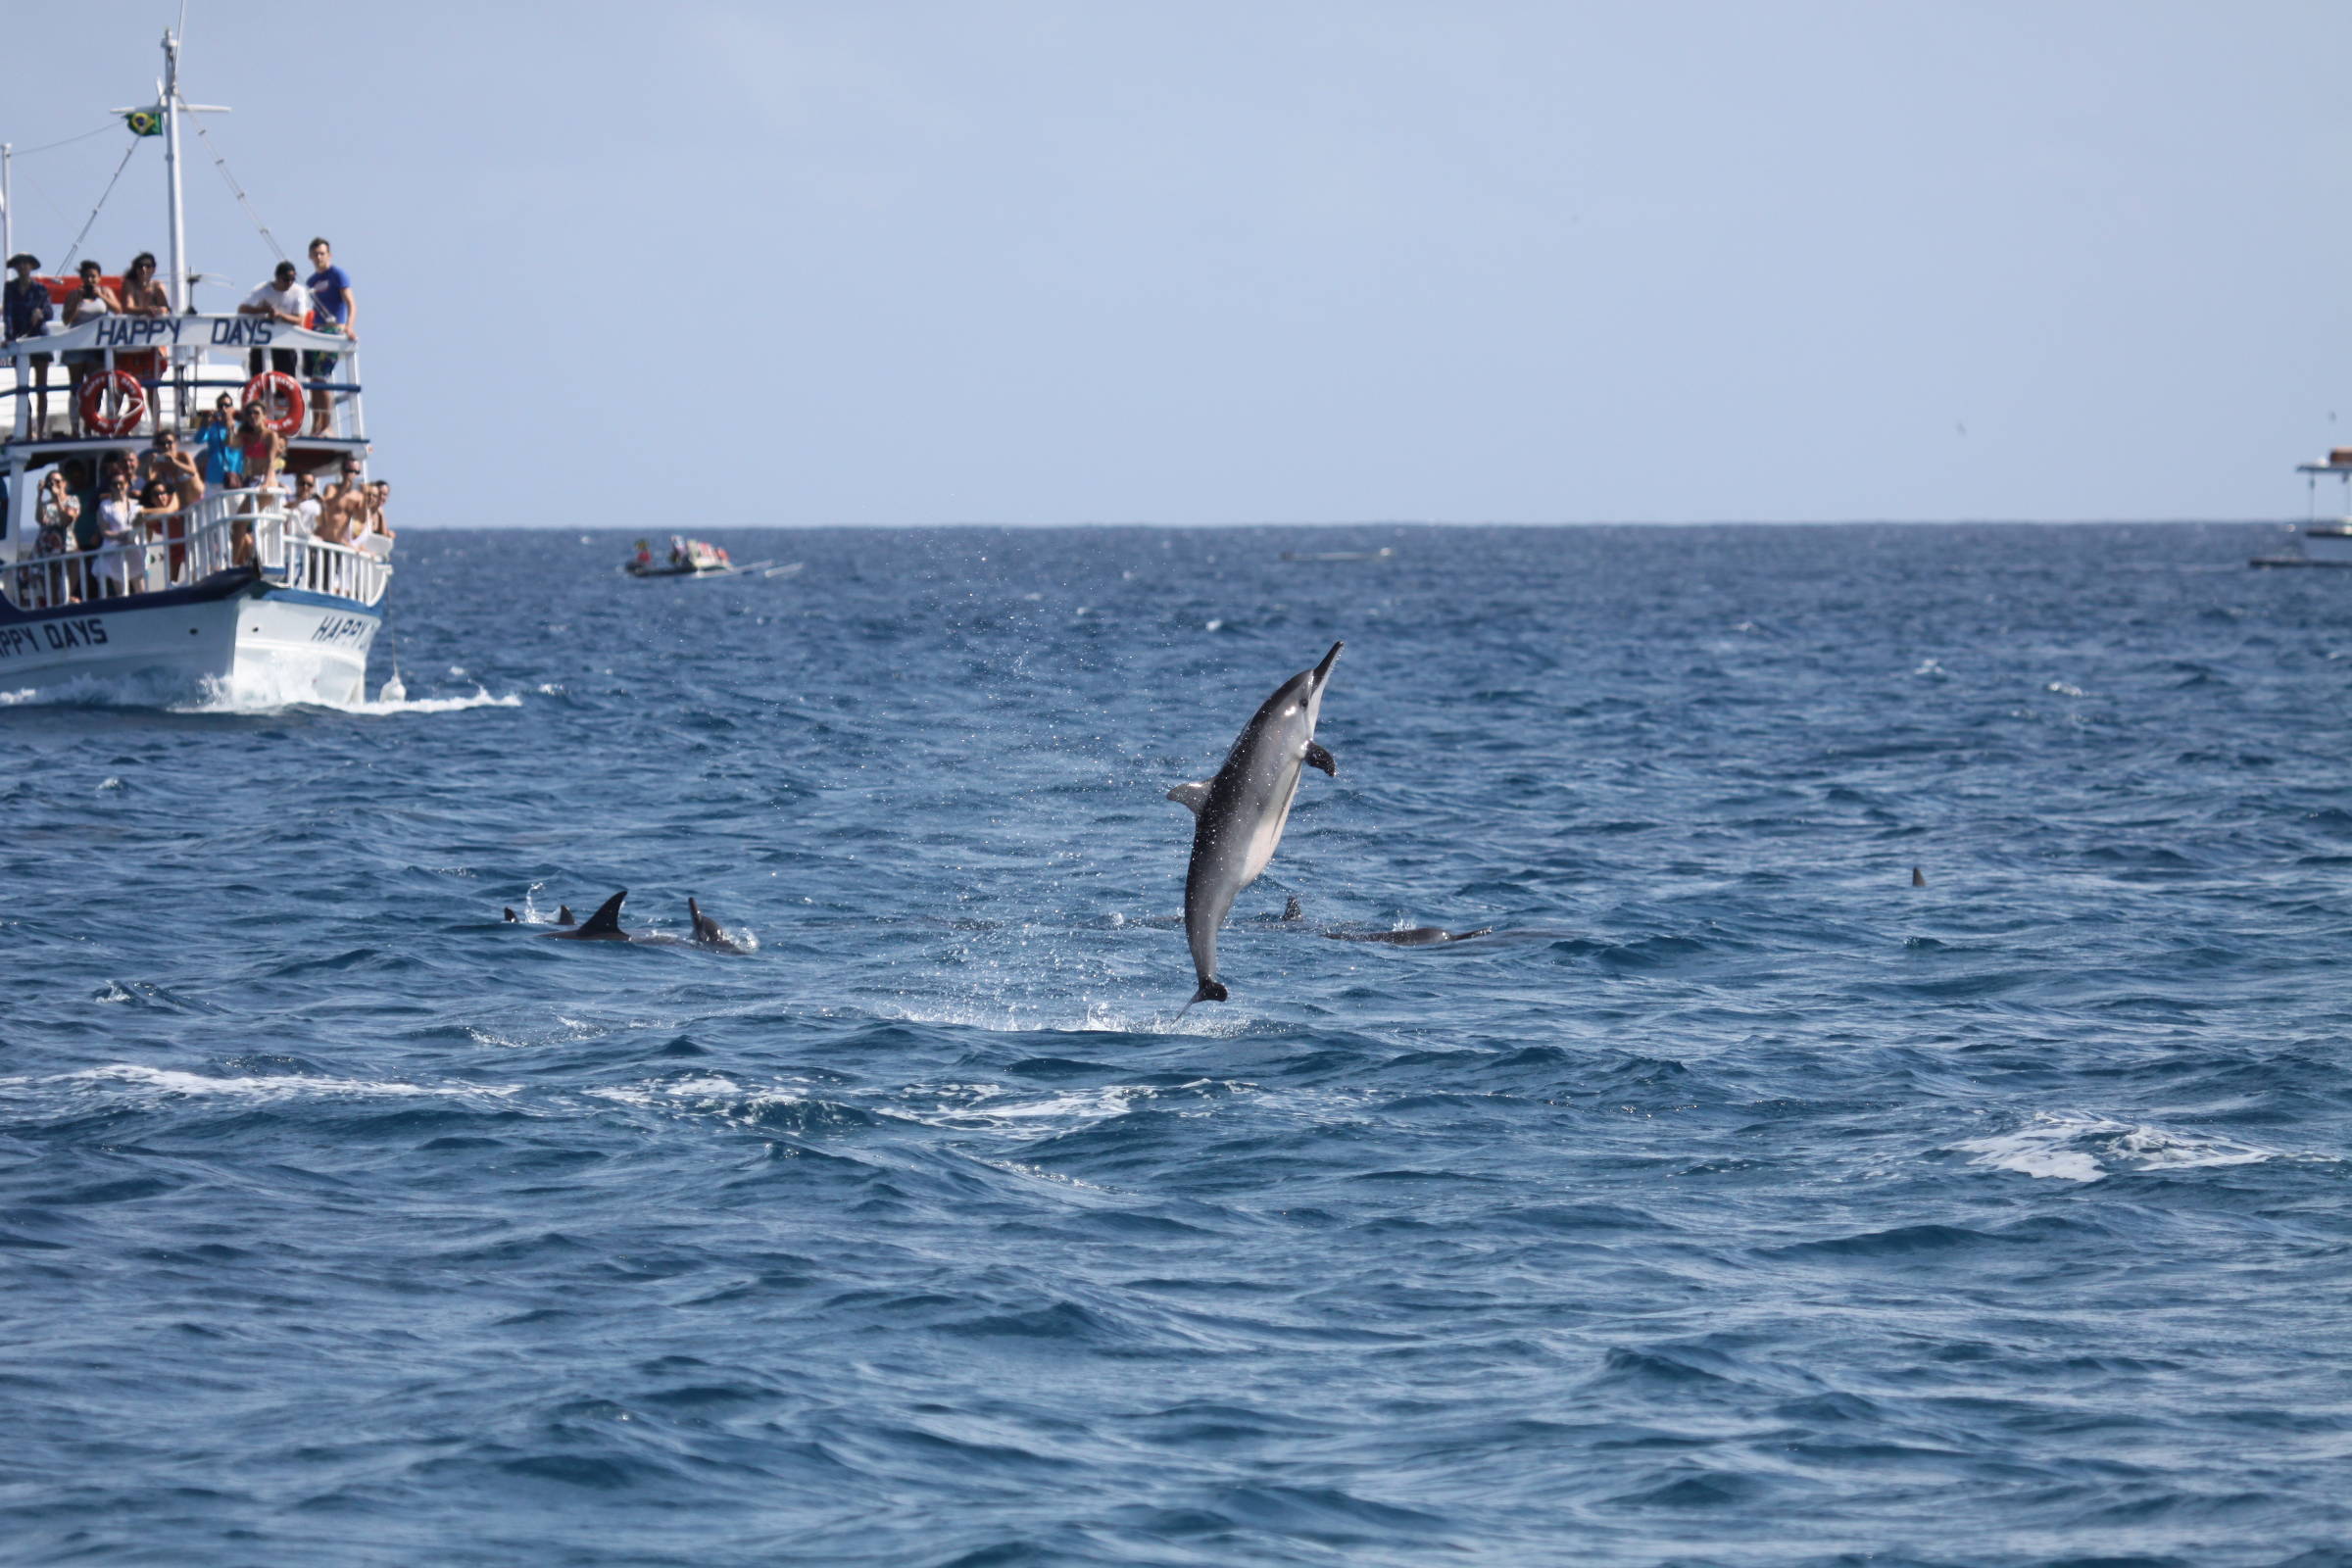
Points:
x=181, y=365
x=230, y=530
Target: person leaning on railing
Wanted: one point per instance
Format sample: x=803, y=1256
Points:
x=28, y=313
x=54, y=515
x=117, y=530
x=283, y=299
x=90, y=300
x=159, y=521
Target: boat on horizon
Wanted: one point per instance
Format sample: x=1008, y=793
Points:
x=2314, y=543
x=230, y=594
x=697, y=558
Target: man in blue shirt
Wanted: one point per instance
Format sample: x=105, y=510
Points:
x=332, y=311
x=29, y=312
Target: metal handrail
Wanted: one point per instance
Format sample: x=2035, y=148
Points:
x=199, y=541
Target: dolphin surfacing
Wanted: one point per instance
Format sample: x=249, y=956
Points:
x=601, y=926
x=1242, y=812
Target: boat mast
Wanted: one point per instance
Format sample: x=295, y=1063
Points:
x=182, y=292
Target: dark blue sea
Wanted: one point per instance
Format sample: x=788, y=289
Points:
x=1734, y=1202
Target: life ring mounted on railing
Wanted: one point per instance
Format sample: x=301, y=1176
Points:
x=113, y=403
x=280, y=398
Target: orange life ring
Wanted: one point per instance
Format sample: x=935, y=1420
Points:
x=279, y=388
x=129, y=400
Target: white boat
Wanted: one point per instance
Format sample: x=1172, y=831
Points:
x=2314, y=542
x=228, y=596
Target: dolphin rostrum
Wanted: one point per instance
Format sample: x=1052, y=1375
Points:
x=1242, y=812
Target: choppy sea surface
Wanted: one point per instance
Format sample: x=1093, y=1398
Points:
x=1734, y=1202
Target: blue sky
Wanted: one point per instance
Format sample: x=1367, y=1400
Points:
x=724, y=264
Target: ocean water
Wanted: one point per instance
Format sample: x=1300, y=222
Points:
x=1735, y=1202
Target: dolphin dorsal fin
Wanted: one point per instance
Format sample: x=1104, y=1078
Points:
x=565, y=916
x=1291, y=910
x=1192, y=797
x=704, y=928
x=607, y=918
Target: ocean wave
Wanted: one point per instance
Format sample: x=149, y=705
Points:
x=2077, y=1147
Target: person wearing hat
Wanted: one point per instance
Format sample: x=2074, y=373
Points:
x=29, y=312
x=281, y=299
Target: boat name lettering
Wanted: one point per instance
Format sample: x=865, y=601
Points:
x=243, y=329
x=15, y=640
x=340, y=629
x=136, y=331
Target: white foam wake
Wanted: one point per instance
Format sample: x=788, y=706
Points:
x=241, y=696
x=2075, y=1146
x=160, y=1083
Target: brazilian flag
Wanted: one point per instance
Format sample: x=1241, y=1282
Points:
x=145, y=122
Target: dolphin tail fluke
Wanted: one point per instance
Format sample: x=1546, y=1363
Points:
x=606, y=921
x=1211, y=990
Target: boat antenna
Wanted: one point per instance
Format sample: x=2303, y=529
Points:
x=169, y=105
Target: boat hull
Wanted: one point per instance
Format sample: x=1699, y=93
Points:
x=239, y=638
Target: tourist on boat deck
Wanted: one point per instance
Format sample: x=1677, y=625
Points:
x=118, y=531
x=90, y=300
x=303, y=514
x=141, y=294
x=263, y=450
x=332, y=311
x=28, y=313
x=54, y=514
x=163, y=462
x=159, y=517
x=215, y=438
x=379, y=495
x=281, y=299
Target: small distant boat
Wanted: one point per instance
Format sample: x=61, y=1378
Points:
x=697, y=558
x=1382, y=553
x=2314, y=543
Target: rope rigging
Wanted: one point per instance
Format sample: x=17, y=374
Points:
x=235, y=189
x=50, y=146
x=67, y=265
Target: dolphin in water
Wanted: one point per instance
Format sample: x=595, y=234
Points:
x=708, y=933
x=1418, y=936
x=601, y=926
x=605, y=926
x=1242, y=812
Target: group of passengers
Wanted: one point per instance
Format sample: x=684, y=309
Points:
x=323, y=304
x=125, y=534
x=125, y=524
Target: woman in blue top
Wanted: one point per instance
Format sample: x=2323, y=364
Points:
x=331, y=312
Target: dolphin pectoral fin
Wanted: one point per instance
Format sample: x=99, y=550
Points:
x=1317, y=756
x=606, y=921
x=1192, y=797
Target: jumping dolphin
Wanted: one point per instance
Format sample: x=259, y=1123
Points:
x=1243, y=811
x=707, y=931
